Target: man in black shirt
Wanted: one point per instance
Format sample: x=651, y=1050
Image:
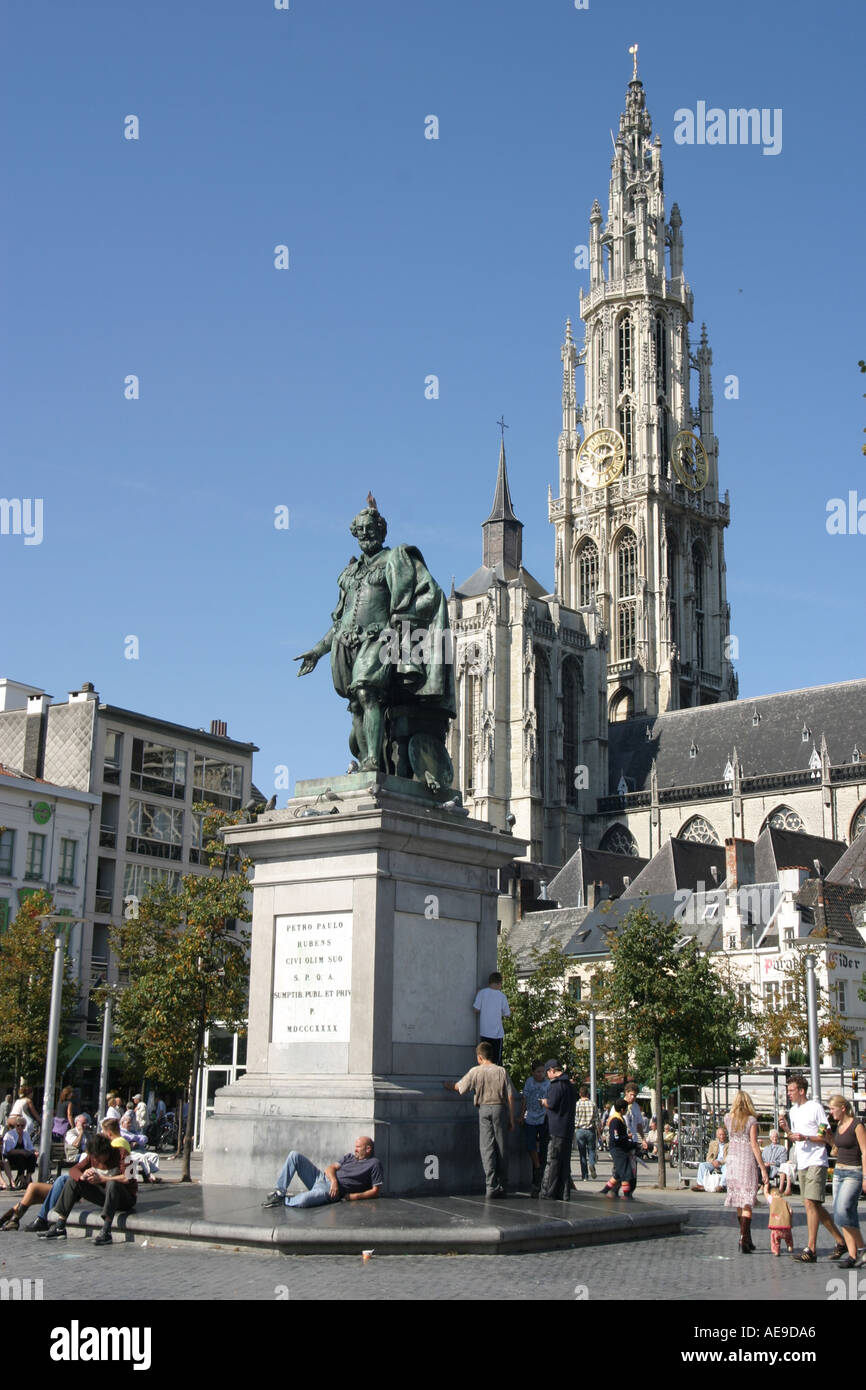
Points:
x=360, y=1176
x=560, y=1106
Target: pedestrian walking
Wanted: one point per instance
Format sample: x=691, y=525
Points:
x=746, y=1170
x=586, y=1134
x=849, y=1178
x=622, y=1150
x=807, y=1125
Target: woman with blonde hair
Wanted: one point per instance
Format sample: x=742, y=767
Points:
x=746, y=1170
x=848, y=1134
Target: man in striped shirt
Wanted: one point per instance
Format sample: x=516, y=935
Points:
x=586, y=1133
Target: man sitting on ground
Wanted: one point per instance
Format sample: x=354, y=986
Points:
x=360, y=1177
x=103, y=1175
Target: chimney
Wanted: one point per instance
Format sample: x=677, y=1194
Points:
x=219, y=728
x=87, y=692
x=739, y=862
x=35, y=724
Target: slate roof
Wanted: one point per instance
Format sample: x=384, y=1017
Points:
x=792, y=849
x=502, y=509
x=540, y=931
x=679, y=864
x=587, y=866
x=484, y=578
x=837, y=914
x=852, y=865
x=775, y=744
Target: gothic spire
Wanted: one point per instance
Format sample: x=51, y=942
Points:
x=503, y=541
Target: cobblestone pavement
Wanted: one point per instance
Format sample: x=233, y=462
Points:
x=702, y=1263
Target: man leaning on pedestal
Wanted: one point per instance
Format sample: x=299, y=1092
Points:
x=360, y=1177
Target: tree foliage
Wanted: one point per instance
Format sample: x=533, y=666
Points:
x=187, y=967
x=26, y=968
x=543, y=1015
x=670, y=1000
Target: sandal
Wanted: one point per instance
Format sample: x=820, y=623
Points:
x=808, y=1257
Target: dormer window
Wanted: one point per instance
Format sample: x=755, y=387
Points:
x=806, y=734
x=693, y=751
x=756, y=718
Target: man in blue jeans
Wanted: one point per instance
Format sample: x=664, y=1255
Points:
x=360, y=1177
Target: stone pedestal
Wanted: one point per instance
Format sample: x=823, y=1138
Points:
x=374, y=923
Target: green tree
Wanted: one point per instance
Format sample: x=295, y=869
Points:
x=544, y=1016
x=668, y=997
x=725, y=1037
x=188, y=970
x=26, y=968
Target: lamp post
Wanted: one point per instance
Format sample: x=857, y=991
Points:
x=812, y=1019
x=58, y=923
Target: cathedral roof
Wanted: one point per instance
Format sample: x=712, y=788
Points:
x=793, y=849
x=587, y=866
x=771, y=734
x=676, y=865
x=484, y=579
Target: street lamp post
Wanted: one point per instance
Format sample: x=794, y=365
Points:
x=812, y=1018
x=58, y=923
x=592, y=1063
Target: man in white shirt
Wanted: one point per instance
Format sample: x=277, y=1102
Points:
x=492, y=1007
x=806, y=1124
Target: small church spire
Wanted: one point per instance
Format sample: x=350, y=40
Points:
x=502, y=532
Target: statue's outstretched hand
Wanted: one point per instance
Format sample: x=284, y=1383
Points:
x=308, y=663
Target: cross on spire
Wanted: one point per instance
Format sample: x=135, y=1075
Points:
x=502, y=427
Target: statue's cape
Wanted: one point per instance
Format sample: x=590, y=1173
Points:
x=417, y=599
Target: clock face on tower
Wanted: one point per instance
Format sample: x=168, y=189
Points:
x=601, y=458
x=690, y=462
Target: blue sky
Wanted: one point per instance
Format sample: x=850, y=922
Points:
x=408, y=257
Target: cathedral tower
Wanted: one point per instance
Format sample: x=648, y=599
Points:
x=639, y=523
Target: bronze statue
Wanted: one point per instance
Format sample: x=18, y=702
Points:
x=392, y=657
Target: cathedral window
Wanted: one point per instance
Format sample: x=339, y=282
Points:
x=664, y=439
x=626, y=593
x=542, y=723
x=673, y=590
x=621, y=707
x=624, y=376
x=783, y=818
x=587, y=574
x=858, y=824
x=700, y=831
x=698, y=563
x=619, y=840
x=570, y=689
x=661, y=346
x=472, y=729
x=625, y=425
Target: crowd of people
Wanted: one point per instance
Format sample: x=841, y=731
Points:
x=105, y=1161
x=798, y=1152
